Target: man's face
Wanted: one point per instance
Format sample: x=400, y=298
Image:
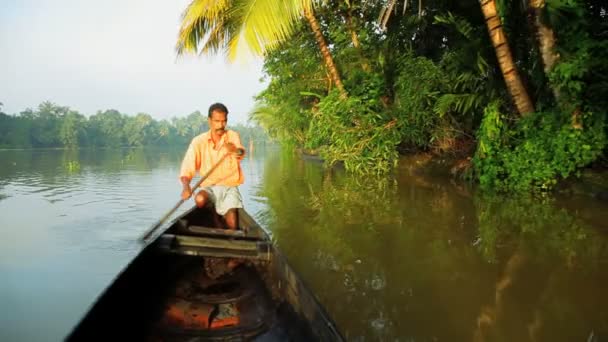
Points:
x=217, y=122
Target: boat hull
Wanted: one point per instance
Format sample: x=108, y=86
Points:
x=197, y=282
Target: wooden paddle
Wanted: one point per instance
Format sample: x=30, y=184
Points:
x=148, y=233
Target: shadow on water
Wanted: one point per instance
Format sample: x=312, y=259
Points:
x=422, y=259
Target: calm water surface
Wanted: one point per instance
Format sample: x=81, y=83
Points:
x=401, y=258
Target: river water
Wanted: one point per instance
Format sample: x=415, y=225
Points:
x=400, y=258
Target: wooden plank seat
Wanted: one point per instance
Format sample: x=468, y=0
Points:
x=215, y=247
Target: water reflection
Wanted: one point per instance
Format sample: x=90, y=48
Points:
x=420, y=258
x=408, y=257
x=72, y=218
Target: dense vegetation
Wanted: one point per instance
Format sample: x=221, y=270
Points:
x=56, y=126
x=431, y=81
x=360, y=82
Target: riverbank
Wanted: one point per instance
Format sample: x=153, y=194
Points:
x=591, y=181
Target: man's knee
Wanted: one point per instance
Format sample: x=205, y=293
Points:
x=201, y=198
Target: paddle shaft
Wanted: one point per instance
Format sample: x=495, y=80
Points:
x=170, y=212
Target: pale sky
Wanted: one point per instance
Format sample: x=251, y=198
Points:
x=113, y=54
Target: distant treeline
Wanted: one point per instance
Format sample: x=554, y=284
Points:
x=51, y=125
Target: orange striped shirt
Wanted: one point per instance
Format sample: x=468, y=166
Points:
x=202, y=155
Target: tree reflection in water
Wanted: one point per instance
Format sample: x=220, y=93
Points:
x=420, y=258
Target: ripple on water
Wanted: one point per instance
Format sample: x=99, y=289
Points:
x=378, y=323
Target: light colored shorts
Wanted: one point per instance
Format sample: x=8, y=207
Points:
x=224, y=197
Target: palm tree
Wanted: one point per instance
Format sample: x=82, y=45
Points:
x=503, y=52
x=546, y=40
x=229, y=26
x=329, y=61
x=544, y=34
x=505, y=59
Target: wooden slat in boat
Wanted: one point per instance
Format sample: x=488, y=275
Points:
x=214, y=247
x=184, y=227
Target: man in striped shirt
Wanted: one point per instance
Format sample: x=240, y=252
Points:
x=219, y=146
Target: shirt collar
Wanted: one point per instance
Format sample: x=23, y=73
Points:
x=222, y=139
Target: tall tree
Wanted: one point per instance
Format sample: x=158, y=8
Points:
x=513, y=81
x=544, y=34
x=327, y=58
x=515, y=86
x=72, y=129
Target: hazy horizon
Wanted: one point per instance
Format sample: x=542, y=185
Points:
x=120, y=55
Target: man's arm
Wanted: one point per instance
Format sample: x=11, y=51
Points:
x=190, y=165
x=235, y=146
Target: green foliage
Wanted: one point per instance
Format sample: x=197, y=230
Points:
x=419, y=84
x=432, y=81
x=229, y=26
x=280, y=124
x=353, y=131
x=470, y=80
x=581, y=74
x=283, y=109
x=46, y=125
x=72, y=131
x=56, y=126
x=535, y=152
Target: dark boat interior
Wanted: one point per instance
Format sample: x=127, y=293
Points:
x=186, y=286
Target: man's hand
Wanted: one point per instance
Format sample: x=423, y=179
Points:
x=186, y=191
x=240, y=152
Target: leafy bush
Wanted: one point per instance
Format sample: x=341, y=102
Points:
x=537, y=151
x=419, y=84
x=355, y=132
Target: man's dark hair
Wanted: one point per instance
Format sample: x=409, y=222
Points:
x=219, y=107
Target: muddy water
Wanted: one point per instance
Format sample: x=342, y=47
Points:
x=405, y=257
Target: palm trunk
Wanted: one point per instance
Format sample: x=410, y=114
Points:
x=505, y=59
x=355, y=39
x=546, y=41
x=353, y=34
x=545, y=36
x=329, y=61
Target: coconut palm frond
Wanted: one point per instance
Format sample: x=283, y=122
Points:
x=232, y=26
x=264, y=23
x=219, y=38
x=199, y=19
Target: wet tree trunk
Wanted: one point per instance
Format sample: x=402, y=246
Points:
x=545, y=36
x=515, y=86
x=327, y=58
x=546, y=39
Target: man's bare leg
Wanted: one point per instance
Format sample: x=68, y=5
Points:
x=201, y=199
x=232, y=222
x=232, y=219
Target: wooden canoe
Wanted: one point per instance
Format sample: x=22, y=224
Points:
x=198, y=283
